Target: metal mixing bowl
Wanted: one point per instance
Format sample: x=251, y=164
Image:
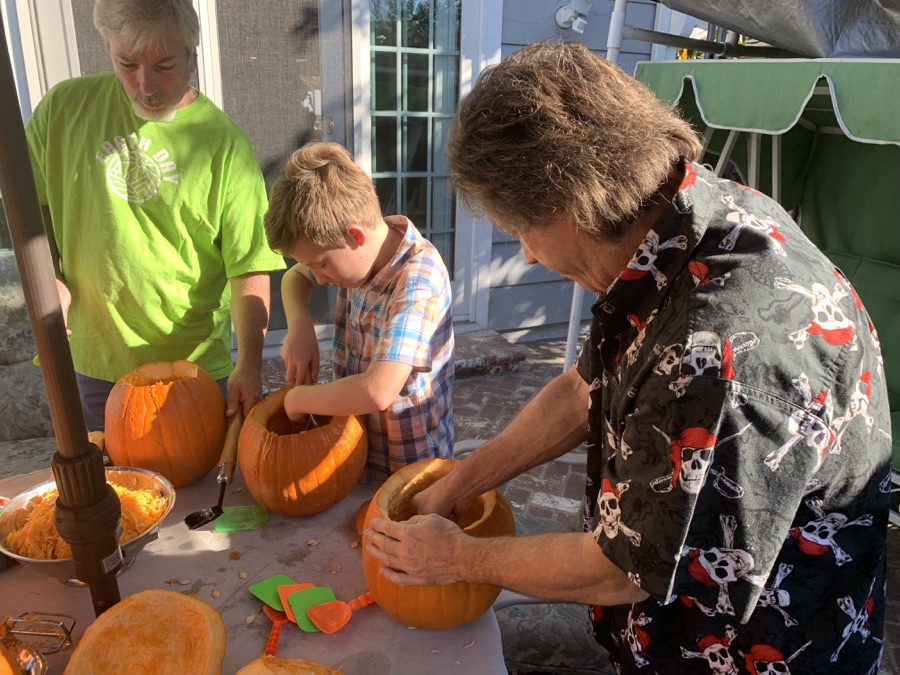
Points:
x=64, y=568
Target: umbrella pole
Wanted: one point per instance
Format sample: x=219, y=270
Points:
x=88, y=509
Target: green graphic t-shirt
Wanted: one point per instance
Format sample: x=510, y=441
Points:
x=151, y=219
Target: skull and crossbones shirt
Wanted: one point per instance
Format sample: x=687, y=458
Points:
x=738, y=447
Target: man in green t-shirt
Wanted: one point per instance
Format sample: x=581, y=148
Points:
x=154, y=201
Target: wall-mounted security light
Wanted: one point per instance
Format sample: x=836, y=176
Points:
x=572, y=15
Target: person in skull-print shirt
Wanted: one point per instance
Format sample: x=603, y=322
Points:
x=731, y=394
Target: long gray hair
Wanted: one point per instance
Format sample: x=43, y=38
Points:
x=553, y=131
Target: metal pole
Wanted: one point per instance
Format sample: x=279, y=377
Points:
x=88, y=510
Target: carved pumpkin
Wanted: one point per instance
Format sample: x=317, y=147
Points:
x=167, y=417
x=434, y=607
x=296, y=471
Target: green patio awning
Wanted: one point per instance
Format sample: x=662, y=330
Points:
x=772, y=96
x=823, y=137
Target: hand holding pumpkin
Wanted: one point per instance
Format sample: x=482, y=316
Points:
x=445, y=604
x=421, y=551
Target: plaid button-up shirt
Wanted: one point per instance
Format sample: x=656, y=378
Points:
x=403, y=314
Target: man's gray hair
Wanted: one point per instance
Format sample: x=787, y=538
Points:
x=145, y=24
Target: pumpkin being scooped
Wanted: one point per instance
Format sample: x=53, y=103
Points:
x=296, y=471
x=167, y=417
x=434, y=607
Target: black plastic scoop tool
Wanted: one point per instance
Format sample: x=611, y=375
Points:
x=202, y=517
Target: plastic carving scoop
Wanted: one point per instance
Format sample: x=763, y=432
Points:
x=301, y=601
x=332, y=616
x=278, y=620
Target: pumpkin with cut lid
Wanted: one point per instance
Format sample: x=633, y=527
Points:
x=167, y=417
x=297, y=469
x=434, y=607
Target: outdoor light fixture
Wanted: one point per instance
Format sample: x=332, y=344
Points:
x=572, y=15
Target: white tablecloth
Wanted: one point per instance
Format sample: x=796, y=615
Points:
x=372, y=642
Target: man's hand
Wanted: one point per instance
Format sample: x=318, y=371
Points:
x=65, y=301
x=244, y=390
x=423, y=550
x=440, y=498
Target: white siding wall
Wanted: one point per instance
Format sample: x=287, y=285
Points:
x=531, y=302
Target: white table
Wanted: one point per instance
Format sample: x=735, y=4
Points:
x=372, y=642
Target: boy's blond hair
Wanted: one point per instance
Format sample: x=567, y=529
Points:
x=320, y=193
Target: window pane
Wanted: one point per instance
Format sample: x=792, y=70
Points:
x=386, y=189
x=440, y=129
x=444, y=244
x=445, y=83
x=384, y=81
x=443, y=205
x=415, y=82
x=415, y=201
x=426, y=95
x=383, y=18
x=416, y=23
x=415, y=143
x=446, y=25
x=384, y=142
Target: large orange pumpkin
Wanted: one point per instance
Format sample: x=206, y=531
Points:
x=297, y=471
x=167, y=417
x=434, y=607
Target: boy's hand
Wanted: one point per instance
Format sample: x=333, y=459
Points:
x=300, y=353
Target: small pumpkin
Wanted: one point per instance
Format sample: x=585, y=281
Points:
x=434, y=607
x=296, y=471
x=167, y=417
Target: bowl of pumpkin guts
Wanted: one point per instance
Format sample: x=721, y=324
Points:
x=28, y=532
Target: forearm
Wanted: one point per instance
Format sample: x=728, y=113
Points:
x=296, y=290
x=250, y=301
x=372, y=391
x=340, y=397
x=558, y=567
x=562, y=567
x=551, y=424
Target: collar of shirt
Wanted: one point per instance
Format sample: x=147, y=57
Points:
x=407, y=247
x=642, y=286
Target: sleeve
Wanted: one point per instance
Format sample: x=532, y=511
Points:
x=583, y=363
x=36, y=135
x=245, y=248
x=702, y=512
x=417, y=309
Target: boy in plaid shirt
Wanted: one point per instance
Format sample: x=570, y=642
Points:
x=393, y=329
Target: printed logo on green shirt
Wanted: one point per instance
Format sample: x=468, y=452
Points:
x=131, y=171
